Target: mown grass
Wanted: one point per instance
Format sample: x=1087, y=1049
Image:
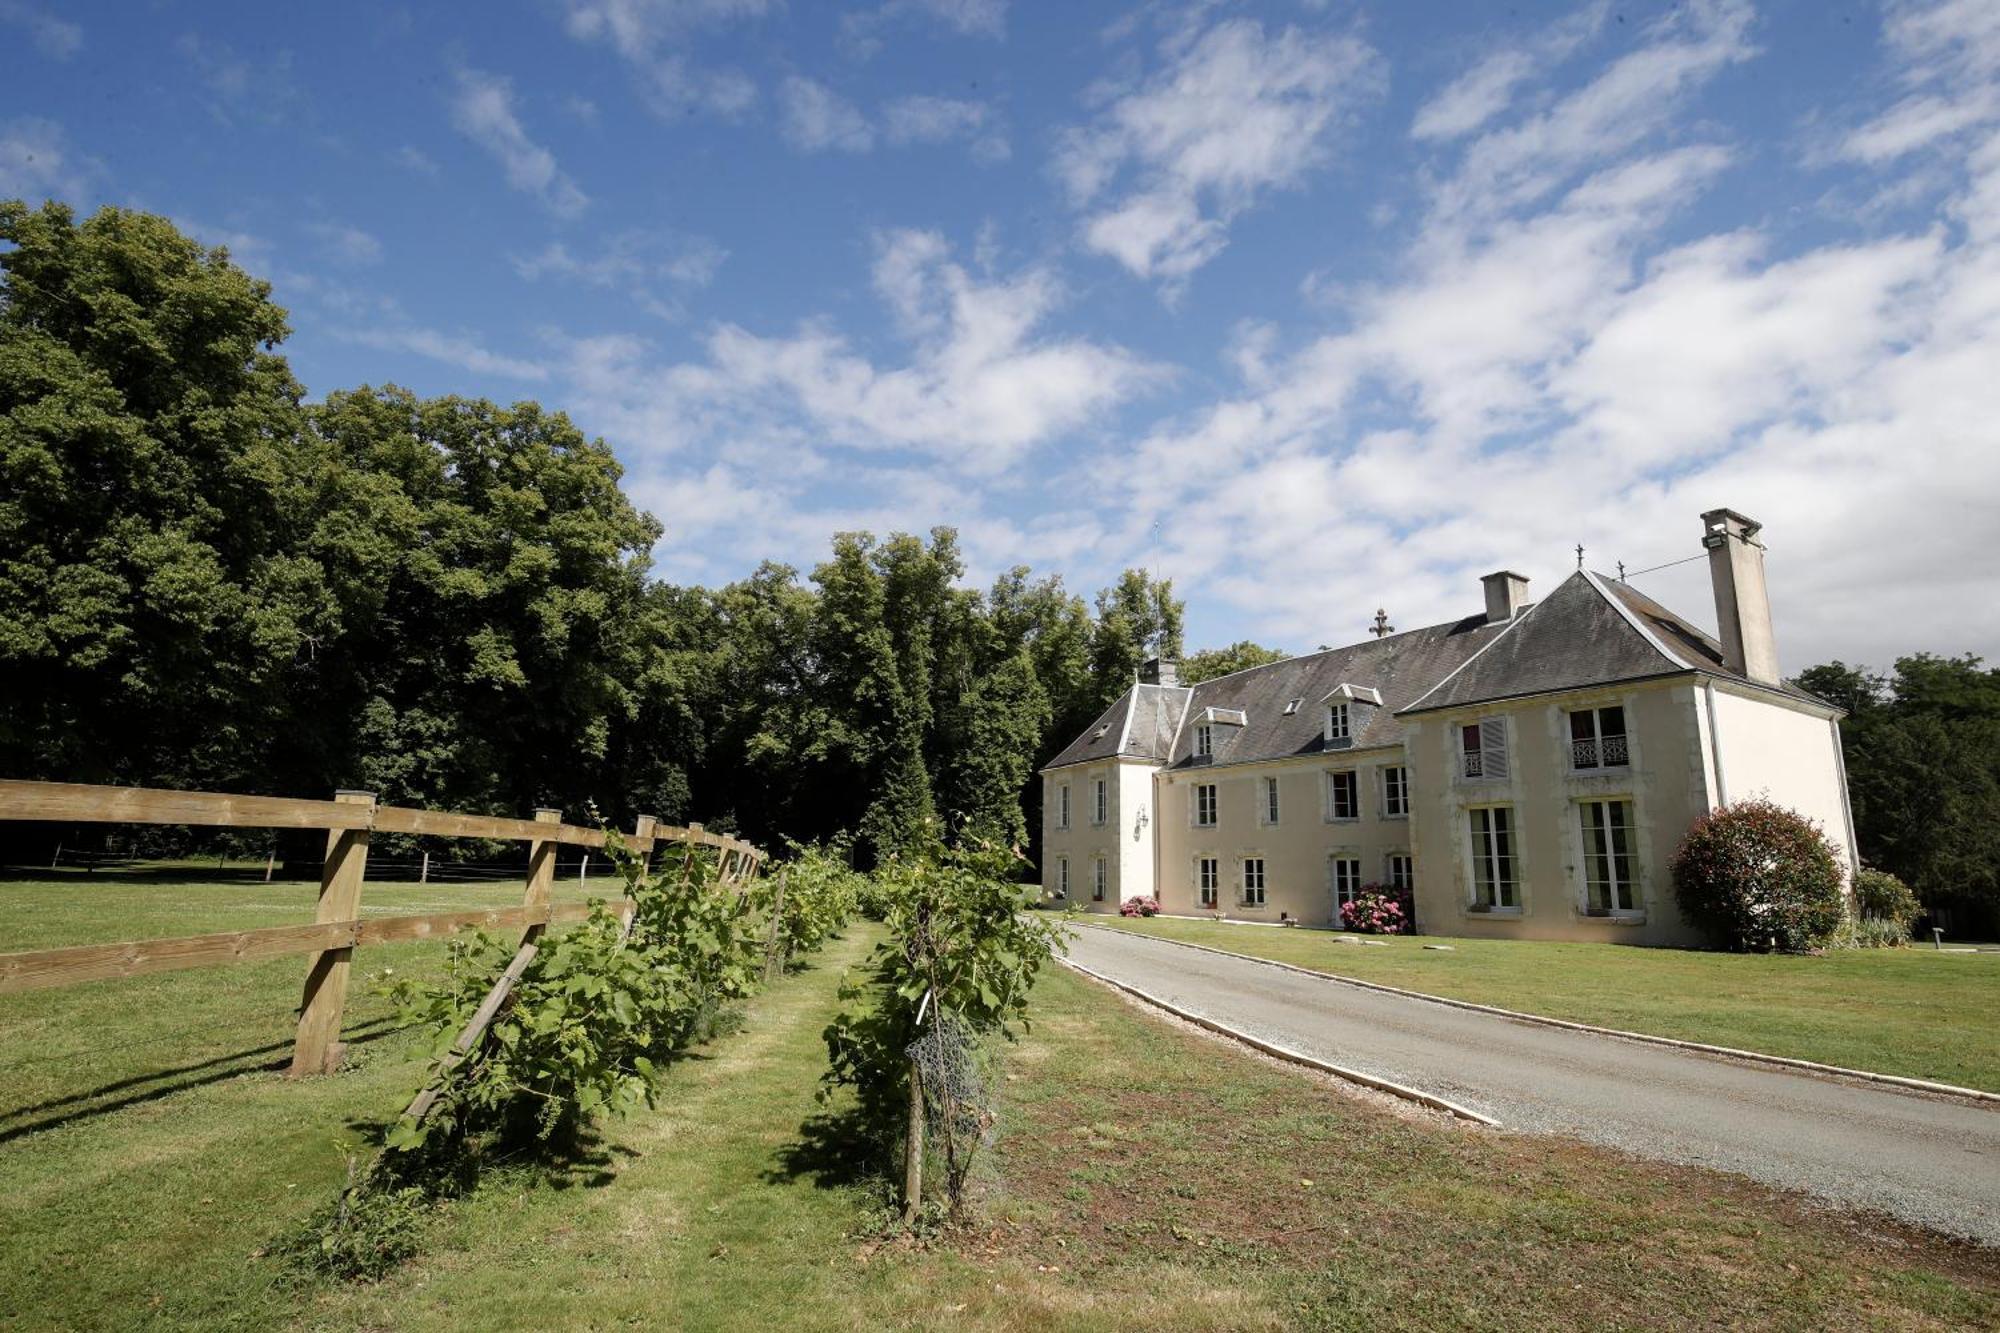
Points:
x=1913, y=1012
x=1144, y=1177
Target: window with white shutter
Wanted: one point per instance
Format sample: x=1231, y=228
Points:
x=1483, y=748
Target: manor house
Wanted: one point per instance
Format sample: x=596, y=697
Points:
x=1526, y=772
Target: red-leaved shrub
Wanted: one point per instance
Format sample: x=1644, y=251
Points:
x=1757, y=877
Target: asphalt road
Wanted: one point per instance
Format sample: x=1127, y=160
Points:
x=1927, y=1159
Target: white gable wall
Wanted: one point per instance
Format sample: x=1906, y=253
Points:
x=1787, y=755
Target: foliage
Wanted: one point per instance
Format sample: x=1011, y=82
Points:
x=584, y=1032
x=362, y=1235
x=958, y=948
x=1756, y=876
x=1140, y=905
x=1870, y=932
x=1923, y=764
x=1377, y=911
x=1239, y=656
x=1880, y=896
x=822, y=894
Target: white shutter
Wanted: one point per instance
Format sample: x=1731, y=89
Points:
x=1493, y=746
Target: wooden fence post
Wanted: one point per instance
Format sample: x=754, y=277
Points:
x=319, y=1048
x=424, y=873
x=541, y=875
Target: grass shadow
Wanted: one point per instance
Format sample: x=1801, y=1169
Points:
x=143, y=1088
x=835, y=1150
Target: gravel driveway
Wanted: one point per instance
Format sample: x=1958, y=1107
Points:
x=1933, y=1160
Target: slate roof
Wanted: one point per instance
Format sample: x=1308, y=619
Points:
x=1590, y=631
x=1143, y=720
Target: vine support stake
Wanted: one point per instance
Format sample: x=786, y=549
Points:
x=772, y=963
x=913, y=1149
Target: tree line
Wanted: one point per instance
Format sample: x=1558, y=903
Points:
x=209, y=581
x=1922, y=744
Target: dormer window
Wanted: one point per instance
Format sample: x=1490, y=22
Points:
x=1348, y=709
x=1208, y=740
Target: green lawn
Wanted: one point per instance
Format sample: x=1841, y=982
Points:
x=1143, y=1178
x=1913, y=1012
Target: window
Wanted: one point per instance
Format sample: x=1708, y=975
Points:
x=1346, y=873
x=1097, y=879
x=1395, y=792
x=1062, y=806
x=1292, y=706
x=1343, y=795
x=1098, y=802
x=1253, y=881
x=1270, y=800
x=1062, y=877
x=1597, y=739
x=1610, y=867
x=1204, y=740
x=1483, y=748
x=1402, y=872
x=1494, y=883
x=1338, y=723
x=1204, y=805
x=1208, y=879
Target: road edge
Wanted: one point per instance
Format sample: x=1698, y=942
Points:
x=1677, y=1043
x=1418, y=1095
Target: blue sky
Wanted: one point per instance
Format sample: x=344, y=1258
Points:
x=1313, y=307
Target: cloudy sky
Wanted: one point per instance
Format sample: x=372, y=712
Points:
x=1312, y=307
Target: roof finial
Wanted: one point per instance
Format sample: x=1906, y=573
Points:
x=1579, y=555
x=1381, y=626
x=1621, y=571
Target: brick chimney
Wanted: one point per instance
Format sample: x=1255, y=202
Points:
x=1160, y=671
x=1506, y=594
x=1742, y=607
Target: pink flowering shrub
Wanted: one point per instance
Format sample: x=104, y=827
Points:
x=1378, y=911
x=1141, y=906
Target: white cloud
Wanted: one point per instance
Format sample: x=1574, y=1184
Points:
x=1949, y=56
x=37, y=162
x=1231, y=113
x=415, y=159
x=788, y=418
x=860, y=32
x=261, y=88
x=1485, y=90
x=816, y=119
x=1562, y=372
x=452, y=349
x=652, y=37
x=482, y=107
x=651, y=266
x=56, y=38
x=1635, y=96
x=933, y=120
x=345, y=244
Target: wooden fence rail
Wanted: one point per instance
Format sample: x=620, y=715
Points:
x=337, y=929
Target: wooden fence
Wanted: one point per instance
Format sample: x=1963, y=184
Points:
x=336, y=930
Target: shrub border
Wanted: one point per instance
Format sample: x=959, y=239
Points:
x=1702, y=1048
